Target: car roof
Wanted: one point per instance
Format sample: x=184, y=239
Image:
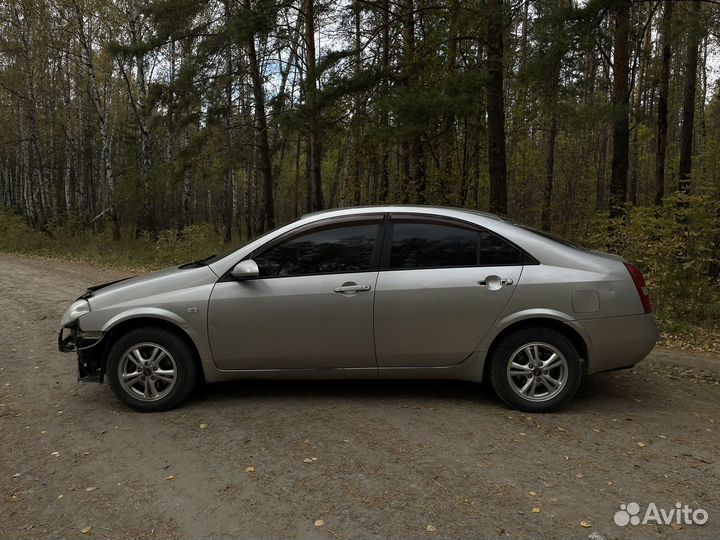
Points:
x=400, y=208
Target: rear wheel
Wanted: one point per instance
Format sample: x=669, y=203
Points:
x=151, y=369
x=535, y=369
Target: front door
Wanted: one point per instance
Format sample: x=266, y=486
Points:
x=441, y=287
x=311, y=307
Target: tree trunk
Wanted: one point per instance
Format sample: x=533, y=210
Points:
x=551, y=128
x=644, y=55
x=229, y=168
x=357, y=119
x=662, y=116
x=689, y=91
x=408, y=146
x=314, y=156
x=384, y=189
x=186, y=197
x=265, y=161
x=496, y=109
x=102, y=116
x=620, y=100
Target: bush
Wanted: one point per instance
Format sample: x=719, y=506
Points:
x=675, y=246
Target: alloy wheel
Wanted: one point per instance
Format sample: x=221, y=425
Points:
x=147, y=371
x=537, y=371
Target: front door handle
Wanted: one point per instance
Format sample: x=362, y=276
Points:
x=351, y=287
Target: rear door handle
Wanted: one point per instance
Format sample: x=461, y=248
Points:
x=493, y=280
x=350, y=287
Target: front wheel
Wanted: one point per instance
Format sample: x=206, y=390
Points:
x=151, y=369
x=535, y=369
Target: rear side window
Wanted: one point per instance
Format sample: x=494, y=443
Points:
x=494, y=251
x=435, y=245
x=335, y=250
x=428, y=245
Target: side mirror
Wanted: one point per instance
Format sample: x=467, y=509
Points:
x=245, y=270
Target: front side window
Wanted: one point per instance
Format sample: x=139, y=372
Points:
x=342, y=249
x=435, y=245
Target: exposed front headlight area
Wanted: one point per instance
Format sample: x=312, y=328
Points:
x=76, y=310
x=72, y=338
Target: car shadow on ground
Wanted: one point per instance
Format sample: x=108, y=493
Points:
x=613, y=392
x=365, y=389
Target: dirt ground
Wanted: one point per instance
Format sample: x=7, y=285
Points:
x=416, y=459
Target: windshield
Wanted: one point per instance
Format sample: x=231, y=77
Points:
x=215, y=258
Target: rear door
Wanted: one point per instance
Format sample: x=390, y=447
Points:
x=442, y=285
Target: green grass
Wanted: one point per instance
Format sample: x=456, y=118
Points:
x=138, y=254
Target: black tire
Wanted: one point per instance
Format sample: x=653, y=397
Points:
x=547, y=339
x=185, y=367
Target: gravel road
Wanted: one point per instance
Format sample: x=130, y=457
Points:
x=417, y=459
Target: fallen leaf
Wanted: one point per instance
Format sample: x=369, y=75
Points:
x=346, y=440
x=536, y=510
x=249, y=469
x=86, y=530
x=533, y=493
x=60, y=496
x=55, y=454
x=642, y=444
x=579, y=475
x=431, y=528
x=203, y=426
x=676, y=526
x=319, y=523
x=91, y=488
x=17, y=475
x=307, y=460
x=585, y=524
x=171, y=477
x=86, y=453
x=562, y=429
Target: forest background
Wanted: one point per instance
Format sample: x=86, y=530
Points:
x=144, y=134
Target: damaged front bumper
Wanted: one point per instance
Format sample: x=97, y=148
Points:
x=89, y=347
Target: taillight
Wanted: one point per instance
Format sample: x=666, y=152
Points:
x=642, y=289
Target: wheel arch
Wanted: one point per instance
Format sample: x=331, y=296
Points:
x=122, y=327
x=547, y=322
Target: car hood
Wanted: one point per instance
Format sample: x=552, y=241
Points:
x=148, y=285
x=93, y=289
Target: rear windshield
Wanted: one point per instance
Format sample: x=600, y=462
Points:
x=551, y=237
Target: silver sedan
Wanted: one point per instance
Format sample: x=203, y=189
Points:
x=389, y=292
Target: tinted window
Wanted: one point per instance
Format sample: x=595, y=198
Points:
x=432, y=245
x=341, y=249
x=427, y=245
x=494, y=251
